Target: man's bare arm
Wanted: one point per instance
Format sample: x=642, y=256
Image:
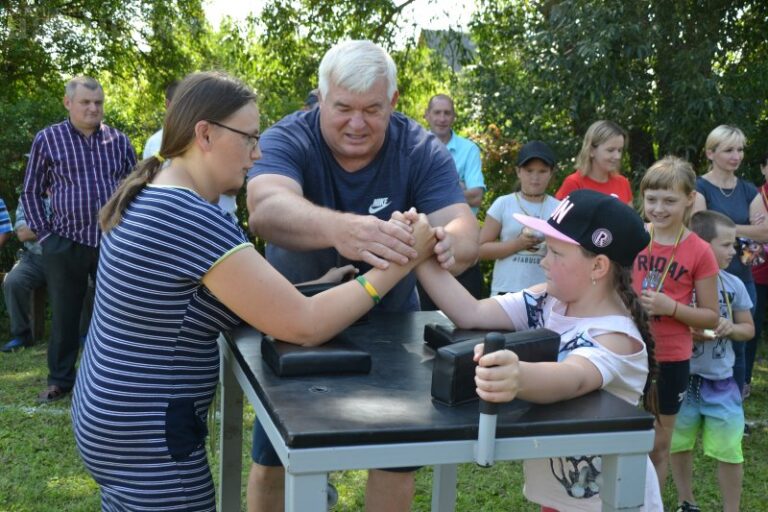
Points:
x=24, y=234
x=474, y=196
x=279, y=213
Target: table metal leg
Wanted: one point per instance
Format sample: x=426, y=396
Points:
x=306, y=492
x=444, y=488
x=230, y=436
x=626, y=491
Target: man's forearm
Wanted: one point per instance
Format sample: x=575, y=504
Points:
x=474, y=196
x=36, y=185
x=24, y=234
x=35, y=214
x=293, y=222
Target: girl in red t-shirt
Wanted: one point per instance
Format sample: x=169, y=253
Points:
x=677, y=269
x=598, y=163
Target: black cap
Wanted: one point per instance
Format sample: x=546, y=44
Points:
x=600, y=223
x=536, y=149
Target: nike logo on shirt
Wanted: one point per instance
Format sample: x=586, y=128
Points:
x=379, y=204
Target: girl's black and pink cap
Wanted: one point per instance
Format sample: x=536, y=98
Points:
x=599, y=223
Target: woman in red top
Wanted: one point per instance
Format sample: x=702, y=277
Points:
x=598, y=163
x=760, y=273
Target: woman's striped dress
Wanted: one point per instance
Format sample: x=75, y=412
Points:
x=151, y=362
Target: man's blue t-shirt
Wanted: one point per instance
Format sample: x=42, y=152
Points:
x=413, y=168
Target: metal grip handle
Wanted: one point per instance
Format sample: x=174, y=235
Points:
x=494, y=342
x=486, y=428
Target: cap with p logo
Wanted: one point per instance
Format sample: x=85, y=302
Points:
x=600, y=223
x=602, y=238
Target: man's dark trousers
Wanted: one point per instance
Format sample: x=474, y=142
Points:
x=67, y=266
x=26, y=275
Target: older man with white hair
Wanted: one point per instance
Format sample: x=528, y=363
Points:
x=322, y=196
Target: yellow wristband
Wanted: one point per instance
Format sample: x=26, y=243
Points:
x=369, y=288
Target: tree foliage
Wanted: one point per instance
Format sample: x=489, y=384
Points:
x=667, y=70
x=136, y=47
x=132, y=46
x=279, y=52
x=140, y=44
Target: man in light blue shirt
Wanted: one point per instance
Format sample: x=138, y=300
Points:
x=440, y=115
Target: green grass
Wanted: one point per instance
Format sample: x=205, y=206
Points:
x=41, y=470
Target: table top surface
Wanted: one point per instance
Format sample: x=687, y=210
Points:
x=393, y=403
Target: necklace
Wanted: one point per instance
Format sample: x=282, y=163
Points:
x=732, y=190
x=655, y=279
x=723, y=191
x=520, y=204
x=528, y=197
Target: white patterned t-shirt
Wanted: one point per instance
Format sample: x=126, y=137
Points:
x=572, y=483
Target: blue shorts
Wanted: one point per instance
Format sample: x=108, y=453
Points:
x=264, y=454
x=714, y=408
x=673, y=381
x=262, y=451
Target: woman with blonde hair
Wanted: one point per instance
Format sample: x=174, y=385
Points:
x=721, y=190
x=598, y=164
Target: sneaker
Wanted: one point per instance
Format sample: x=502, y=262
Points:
x=13, y=345
x=688, y=507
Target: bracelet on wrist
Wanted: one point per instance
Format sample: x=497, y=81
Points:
x=369, y=288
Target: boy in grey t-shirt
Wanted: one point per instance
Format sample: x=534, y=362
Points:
x=713, y=403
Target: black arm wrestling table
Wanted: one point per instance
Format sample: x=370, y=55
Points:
x=387, y=418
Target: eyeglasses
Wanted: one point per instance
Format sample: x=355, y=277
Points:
x=252, y=140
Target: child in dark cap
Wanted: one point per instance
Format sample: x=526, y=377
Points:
x=516, y=249
x=605, y=343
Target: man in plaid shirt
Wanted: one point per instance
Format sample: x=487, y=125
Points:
x=77, y=164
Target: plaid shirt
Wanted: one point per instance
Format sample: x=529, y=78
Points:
x=79, y=175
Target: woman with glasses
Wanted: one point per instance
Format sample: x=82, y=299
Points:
x=174, y=272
